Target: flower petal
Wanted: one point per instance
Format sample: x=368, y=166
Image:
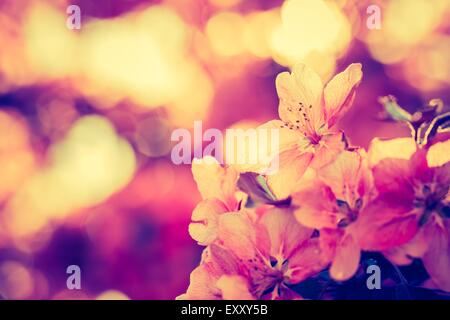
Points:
x=346, y=259
x=404, y=254
x=300, y=98
x=419, y=167
x=306, y=260
x=328, y=240
x=400, y=148
x=202, y=285
x=215, y=181
x=234, y=288
x=347, y=176
x=292, y=165
x=287, y=137
x=314, y=205
x=328, y=149
x=385, y=223
x=442, y=175
x=237, y=233
x=340, y=92
x=268, y=147
x=398, y=255
x=437, y=258
x=394, y=176
x=438, y=154
x=284, y=232
x=205, y=218
x=222, y=260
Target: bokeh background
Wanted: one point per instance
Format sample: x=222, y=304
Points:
x=86, y=117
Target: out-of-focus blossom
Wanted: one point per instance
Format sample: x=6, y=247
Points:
x=256, y=257
x=331, y=203
x=413, y=39
x=112, y=295
x=310, y=28
x=17, y=160
x=405, y=25
x=411, y=211
x=152, y=64
x=19, y=281
x=87, y=166
x=147, y=62
x=308, y=112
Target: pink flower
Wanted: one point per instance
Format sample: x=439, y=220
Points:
x=331, y=203
x=256, y=256
x=410, y=217
x=308, y=111
x=217, y=186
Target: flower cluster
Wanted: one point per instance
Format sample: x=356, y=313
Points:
x=329, y=201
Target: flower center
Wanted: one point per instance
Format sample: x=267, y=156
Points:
x=347, y=214
x=431, y=199
x=268, y=276
x=301, y=119
x=315, y=138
